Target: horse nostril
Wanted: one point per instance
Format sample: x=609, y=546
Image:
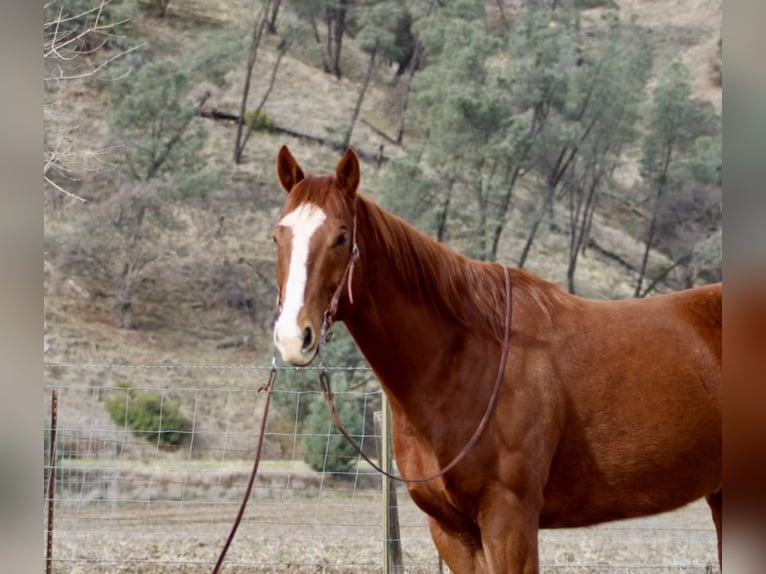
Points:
x=308, y=338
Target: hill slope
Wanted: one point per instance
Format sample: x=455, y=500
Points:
x=181, y=317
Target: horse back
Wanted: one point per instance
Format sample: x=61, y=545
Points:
x=639, y=396
x=704, y=313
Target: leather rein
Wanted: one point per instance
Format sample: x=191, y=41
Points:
x=324, y=379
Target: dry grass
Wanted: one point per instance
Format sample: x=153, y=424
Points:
x=693, y=27
x=325, y=536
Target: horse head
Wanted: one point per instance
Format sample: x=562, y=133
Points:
x=315, y=238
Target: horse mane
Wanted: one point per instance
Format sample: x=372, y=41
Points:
x=470, y=291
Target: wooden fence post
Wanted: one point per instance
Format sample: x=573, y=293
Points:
x=392, y=544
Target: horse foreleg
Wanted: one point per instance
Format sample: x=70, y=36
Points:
x=509, y=527
x=715, y=501
x=462, y=553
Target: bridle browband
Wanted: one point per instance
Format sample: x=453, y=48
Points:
x=324, y=379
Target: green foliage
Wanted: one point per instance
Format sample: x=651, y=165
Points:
x=311, y=10
x=295, y=403
x=386, y=26
x=324, y=448
x=298, y=403
x=708, y=254
x=671, y=157
x=218, y=53
x=463, y=104
x=149, y=414
x=496, y=107
x=599, y=119
x=412, y=194
x=156, y=122
x=675, y=122
x=705, y=161
x=260, y=120
x=458, y=105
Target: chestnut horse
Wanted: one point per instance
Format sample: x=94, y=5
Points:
x=606, y=409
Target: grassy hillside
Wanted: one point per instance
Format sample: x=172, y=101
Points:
x=184, y=312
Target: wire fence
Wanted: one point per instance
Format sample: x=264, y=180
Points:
x=147, y=501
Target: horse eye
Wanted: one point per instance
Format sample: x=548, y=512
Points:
x=341, y=240
x=274, y=238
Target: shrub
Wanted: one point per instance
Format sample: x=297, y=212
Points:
x=324, y=448
x=260, y=120
x=156, y=122
x=149, y=413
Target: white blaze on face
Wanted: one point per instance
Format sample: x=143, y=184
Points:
x=288, y=335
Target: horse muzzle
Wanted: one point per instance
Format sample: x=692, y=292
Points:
x=297, y=345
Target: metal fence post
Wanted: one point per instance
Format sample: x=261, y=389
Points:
x=51, y=481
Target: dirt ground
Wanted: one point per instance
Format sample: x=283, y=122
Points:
x=338, y=531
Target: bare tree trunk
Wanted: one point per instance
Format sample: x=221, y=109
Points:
x=441, y=216
x=317, y=37
x=482, y=230
x=358, y=106
x=647, y=249
x=653, y=224
x=126, y=314
x=407, y=86
x=581, y=205
x=554, y=178
x=680, y=261
x=124, y=297
x=549, y=195
x=502, y=14
x=338, y=29
x=505, y=204
x=272, y=26
x=255, y=40
x=328, y=54
x=284, y=46
x=482, y=199
x=587, y=228
x=161, y=7
x=412, y=68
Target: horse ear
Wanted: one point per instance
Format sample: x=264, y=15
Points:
x=288, y=170
x=347, y=172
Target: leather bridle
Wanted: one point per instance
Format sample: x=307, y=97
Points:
x=324, y=378
x=328, y=318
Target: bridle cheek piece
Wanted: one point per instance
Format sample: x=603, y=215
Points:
x=328, y=318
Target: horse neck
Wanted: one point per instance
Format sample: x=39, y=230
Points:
x=398, y=322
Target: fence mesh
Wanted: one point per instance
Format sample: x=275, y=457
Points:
x=163, y=499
